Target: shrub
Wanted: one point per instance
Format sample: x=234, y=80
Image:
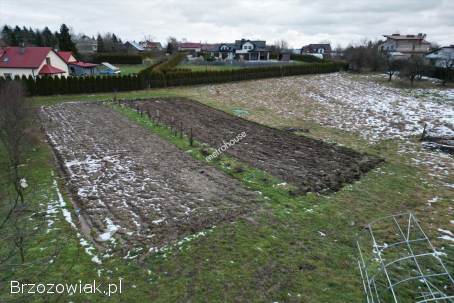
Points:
x=306, y=58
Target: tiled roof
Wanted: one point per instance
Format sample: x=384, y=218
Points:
x=190, y=45
x=50, y=70
x=83, y=64
x=65, y=55
x=20, y=57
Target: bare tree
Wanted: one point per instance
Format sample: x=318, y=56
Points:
x=365, y=56
x=280, y=45
x=14, y=121
x=148, y=38
x=412, y=69
x=393, y=66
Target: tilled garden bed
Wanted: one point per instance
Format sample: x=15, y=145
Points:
x=136, y=190
x=311, y=165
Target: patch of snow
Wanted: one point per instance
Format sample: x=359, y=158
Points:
x=111, y=229
x=444, y=231
x=23, y=183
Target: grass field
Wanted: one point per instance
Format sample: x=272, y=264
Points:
x=127, y=69
x=208, y=67
x=297, y=249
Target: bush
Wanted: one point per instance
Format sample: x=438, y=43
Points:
x=306, y=58
x=171, y=63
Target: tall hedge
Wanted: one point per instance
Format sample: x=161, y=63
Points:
x=183, y=77
x=306, y=58
x=175, y=77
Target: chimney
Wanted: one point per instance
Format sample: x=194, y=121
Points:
x=22, y=48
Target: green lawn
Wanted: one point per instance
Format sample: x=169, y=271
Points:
x=276, y=255
x=196, y=67
x=127, y=69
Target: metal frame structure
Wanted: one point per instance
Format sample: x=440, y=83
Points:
x=398, y=263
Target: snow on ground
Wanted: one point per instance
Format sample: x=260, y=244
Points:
x=54, y=206
x=379, y=112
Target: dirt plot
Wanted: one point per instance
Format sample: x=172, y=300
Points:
x=310, y=164
x=136, y=190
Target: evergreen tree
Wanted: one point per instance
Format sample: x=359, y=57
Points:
x=7, y=35
x=100, y=41
x=16, y=38
x=38, y=39
x=48, y=38
x=65, y=42
x=115, y=43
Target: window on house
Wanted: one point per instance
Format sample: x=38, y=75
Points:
x=47, y=60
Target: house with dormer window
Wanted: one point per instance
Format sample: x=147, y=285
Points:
x=248, y=50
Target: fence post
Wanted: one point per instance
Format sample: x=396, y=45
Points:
x=181, y=129
x=423, y=135
x=191, y=141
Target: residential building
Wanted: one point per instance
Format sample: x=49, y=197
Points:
x=442, y=57
x=249, y=50
x=322, y=50
x=405, y=46
x=86, y=45
x=151, y=46
x=191, y=47
x=133, y=47
x=31, y=61
x=78, y=68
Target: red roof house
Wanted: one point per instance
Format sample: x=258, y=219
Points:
x=190, y=46
x=31, y=61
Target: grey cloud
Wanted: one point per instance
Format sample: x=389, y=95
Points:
x=298, y=21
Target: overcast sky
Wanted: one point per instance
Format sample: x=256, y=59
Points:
x=297, y=21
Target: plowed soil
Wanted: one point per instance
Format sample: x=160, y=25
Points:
x=136, y=190
x=310, y=164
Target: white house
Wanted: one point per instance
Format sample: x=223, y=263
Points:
x=405, y=45
x=31, y=61
x=249, y=50
x=442, y=57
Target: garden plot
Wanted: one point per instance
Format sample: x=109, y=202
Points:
x=135, y=190
x=310, y=164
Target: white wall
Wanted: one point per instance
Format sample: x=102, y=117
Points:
x=16, y=72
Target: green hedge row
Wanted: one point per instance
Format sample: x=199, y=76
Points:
x=81, y=85
x=150, y=68
x=306, y=58
x=177, y=78
x=170, y=64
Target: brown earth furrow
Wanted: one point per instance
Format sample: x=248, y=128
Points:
x=310, y=164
